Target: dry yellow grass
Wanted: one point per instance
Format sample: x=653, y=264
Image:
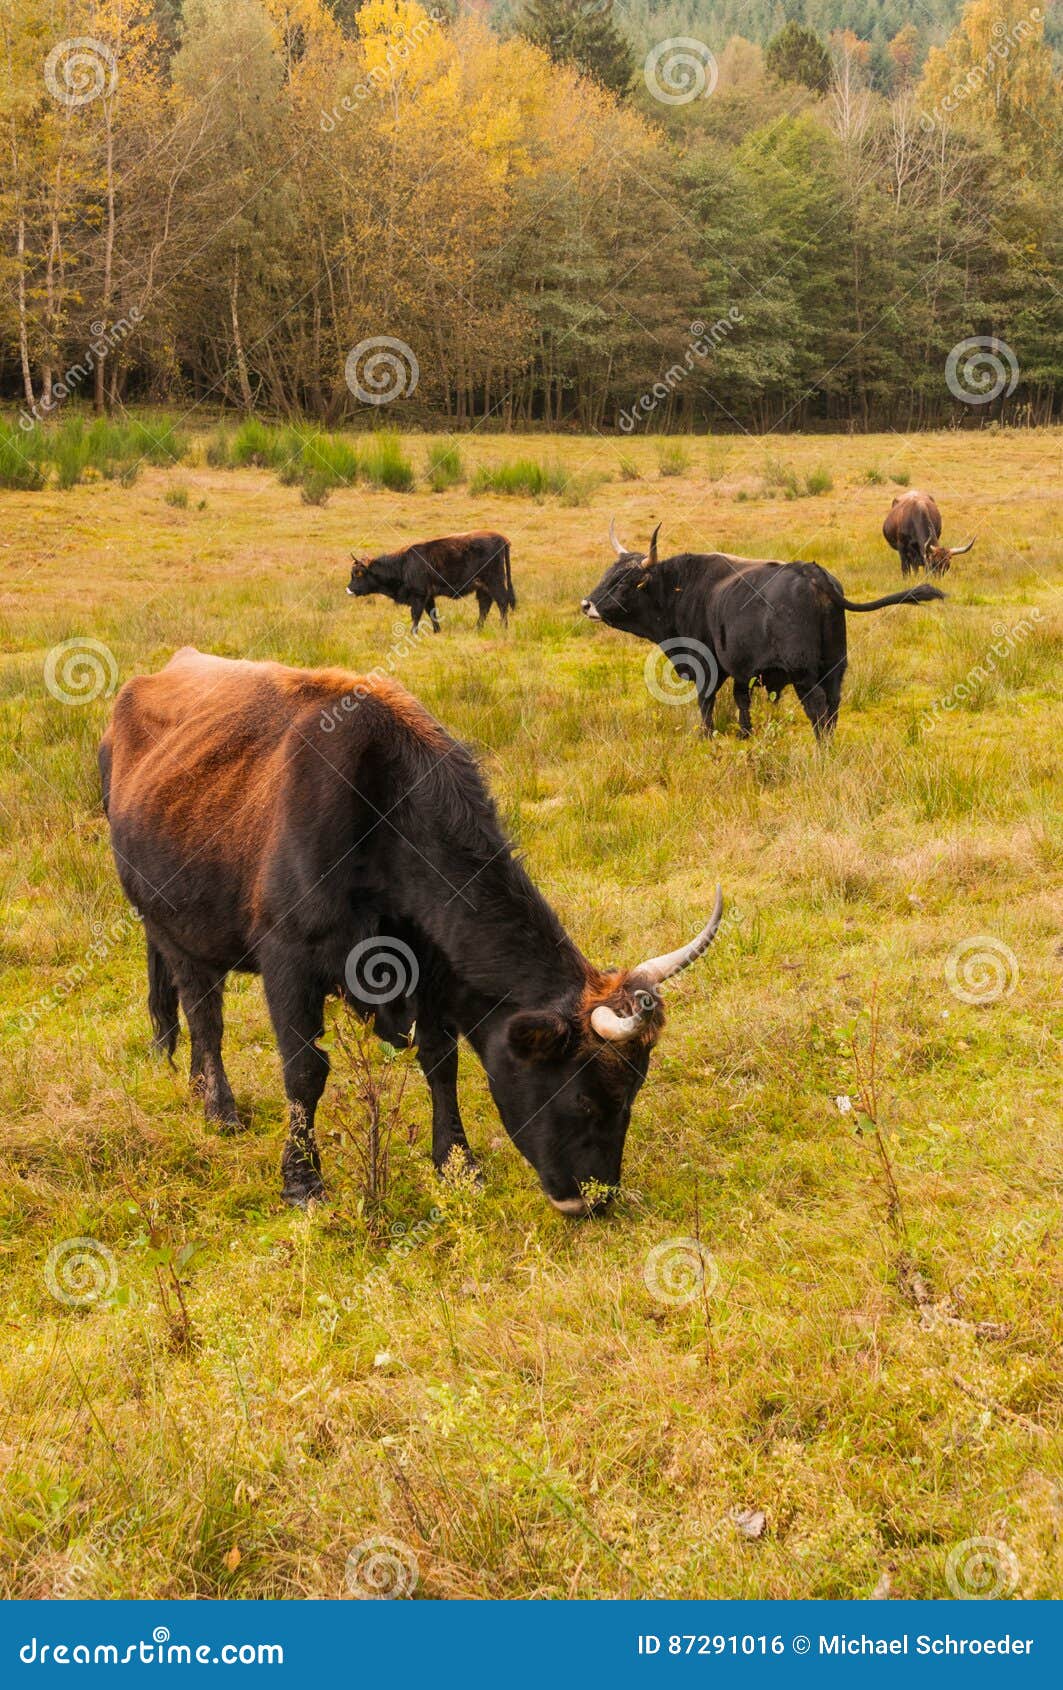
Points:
x=509, y=1398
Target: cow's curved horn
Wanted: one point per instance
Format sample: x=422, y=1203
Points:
x=613, y=1027
x=928, y=546
x=651, y=555
x=957, y=551
x=661, y=968
x=617, y=547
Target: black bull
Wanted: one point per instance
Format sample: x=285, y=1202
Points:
x=447, y=568
x=717, y=616
x=321, y=829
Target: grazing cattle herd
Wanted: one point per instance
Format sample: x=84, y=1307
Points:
x=283, y=822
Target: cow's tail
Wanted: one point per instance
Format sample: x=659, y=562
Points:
x=511, y=596
x=162, y=1001
x=912, y=595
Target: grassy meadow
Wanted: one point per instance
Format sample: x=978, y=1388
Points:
x=868, y=1378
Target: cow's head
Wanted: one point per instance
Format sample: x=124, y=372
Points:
x=361, y=581
x=937, y=560
x=564, y=1077
x=624, y=597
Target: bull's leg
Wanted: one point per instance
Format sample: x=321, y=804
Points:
x=417, y=610
x=814, y=702
x=707, y=703
x=296, y=1000
x=437, y=1053
x=745, y=722
x=832, y=690
x=485, y=601
x=431, y=608
x=200, y=991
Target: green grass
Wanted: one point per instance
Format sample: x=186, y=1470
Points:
x=528, y=478
x=509, y=1398
x=384, y=462
x=443, y=468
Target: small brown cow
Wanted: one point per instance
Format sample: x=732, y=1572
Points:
x=913, y=528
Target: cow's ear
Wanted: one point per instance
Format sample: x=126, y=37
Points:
x=539, y=1035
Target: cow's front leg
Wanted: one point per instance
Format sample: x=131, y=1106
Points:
x=707, y=691
x=437, y=1052
x=745, y=720
x=431, y=607
x=417, y=610
x=296, y=1000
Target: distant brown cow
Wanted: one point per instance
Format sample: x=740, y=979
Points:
x=452, y=567
x=913, y=528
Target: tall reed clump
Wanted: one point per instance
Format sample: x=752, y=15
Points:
x=443, y=467
x=523, y=477
x=76, y=447
x=385, y=464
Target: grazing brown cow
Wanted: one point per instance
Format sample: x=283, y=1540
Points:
x=323, y=830
x=451, y=568
x=913, y=528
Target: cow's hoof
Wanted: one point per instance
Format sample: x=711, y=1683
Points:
x=301, y=1196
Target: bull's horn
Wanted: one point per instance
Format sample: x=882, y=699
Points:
x=613, y=1027
x=661, y=968
x=651, y=555
x=957, y=551
x=617, y=547
x=928, y=545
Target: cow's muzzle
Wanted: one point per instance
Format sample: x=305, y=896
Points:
x=590, y=609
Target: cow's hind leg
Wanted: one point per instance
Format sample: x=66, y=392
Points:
x=433, y=615
x=485, y=601
x=200, y=991
x=814, y=702
x=832, y=691
x=745, y=721
x=296, y=999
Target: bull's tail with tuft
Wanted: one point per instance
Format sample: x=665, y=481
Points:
x=162, y=1002
x=912, y=595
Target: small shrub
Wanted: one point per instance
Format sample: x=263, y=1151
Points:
x=19, y=465
x=629, y=469
x=781, y=478
x=218, y=450
x=578, y=488
x=443, y=467
x=254, y=445
x=673, y=458
x=316, y=487
x=873, y=477
x=524, y=477
x=330, y=456
x=819, y=481
x=127, y=473
x=385, y=464
x=177, y=497
x=901, y=477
